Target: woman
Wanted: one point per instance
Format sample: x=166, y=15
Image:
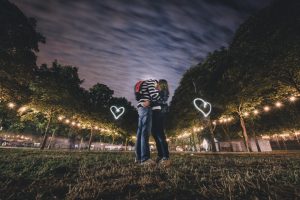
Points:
x=159, y=110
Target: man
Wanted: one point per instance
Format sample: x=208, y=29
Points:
x=146, y=93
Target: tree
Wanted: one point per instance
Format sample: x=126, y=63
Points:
x=260, y=66
x=55, y=91
x=18, y=44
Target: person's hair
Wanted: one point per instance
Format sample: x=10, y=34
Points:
x=163, y=84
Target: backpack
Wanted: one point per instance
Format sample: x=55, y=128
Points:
x=137, y=90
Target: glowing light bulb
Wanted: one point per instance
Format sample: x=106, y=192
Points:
x=23, y=109
x=278, y=104
x=267, y=108
x=60, y=118
x=246, y=114
x=292, y=98
x=255, y=112
x=67, y=121
x=11, y=105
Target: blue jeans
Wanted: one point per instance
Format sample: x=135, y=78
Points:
x=142, y=149
x=159, y=134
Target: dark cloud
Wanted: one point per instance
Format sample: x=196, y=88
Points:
x=118, y=42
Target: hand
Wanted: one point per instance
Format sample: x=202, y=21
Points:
x=146, y=104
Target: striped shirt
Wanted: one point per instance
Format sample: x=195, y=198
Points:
x=149, y=92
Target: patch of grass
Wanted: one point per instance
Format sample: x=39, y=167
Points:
x=32, y=174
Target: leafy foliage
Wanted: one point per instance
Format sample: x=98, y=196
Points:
x=260, y=66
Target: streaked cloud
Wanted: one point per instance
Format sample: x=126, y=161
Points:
x=118, y=42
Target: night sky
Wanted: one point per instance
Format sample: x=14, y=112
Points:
x=118, y=42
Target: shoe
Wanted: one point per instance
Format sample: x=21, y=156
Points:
x=136, y=161
x=158, y=159
x=148, y=162
x=165, y=163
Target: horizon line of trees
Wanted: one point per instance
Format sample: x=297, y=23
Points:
x=51, y=91
x=260, y=66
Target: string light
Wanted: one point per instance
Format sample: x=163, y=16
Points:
x=11, y=105
x=278, y=104
x=246, y=114
x=292, y=98
x=255, y=112
x=267, y=108
x=22, y=109
x=67, y=121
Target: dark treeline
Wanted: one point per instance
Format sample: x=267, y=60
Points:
x=260, y=67
x=43, y=93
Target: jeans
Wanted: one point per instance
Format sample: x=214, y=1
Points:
x=142, y=149
x=159, y=134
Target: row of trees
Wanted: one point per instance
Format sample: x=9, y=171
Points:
x=43, y=93
x=261, y=66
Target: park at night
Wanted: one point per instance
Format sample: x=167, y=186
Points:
x=142, y=99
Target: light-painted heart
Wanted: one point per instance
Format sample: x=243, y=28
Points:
x=117, y=112
x=202, y=104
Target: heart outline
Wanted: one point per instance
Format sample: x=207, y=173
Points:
x=205, y=103
x=117, y=110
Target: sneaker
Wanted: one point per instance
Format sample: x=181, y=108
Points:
x=165, y=163
x=158, y=159
x=148, y=162
x=136, y=161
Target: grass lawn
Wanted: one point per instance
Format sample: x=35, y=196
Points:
x=32, y=174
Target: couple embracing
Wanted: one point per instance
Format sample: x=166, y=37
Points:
x=152, y=96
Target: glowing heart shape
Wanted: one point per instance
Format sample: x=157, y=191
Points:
x=203, y=104
x=117, y=112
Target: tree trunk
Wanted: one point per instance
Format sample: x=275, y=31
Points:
x=256, y=141
x=113, y=139
x=297, y=138
x=45, y=135
x=191, y=143
x=278, y=144
x=91, y=137
x=194, y=142
x=228, y=137
x=212, y=137
x=283, y=141
x=126, y=144
x=53, y=133
x=246, y=140
x=80, y=145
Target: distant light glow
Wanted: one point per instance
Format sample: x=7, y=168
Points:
x=292, y=98
x=23, y=109
x=278, y=104
x=11, y=105
x=267, y=108
x=255, y=112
